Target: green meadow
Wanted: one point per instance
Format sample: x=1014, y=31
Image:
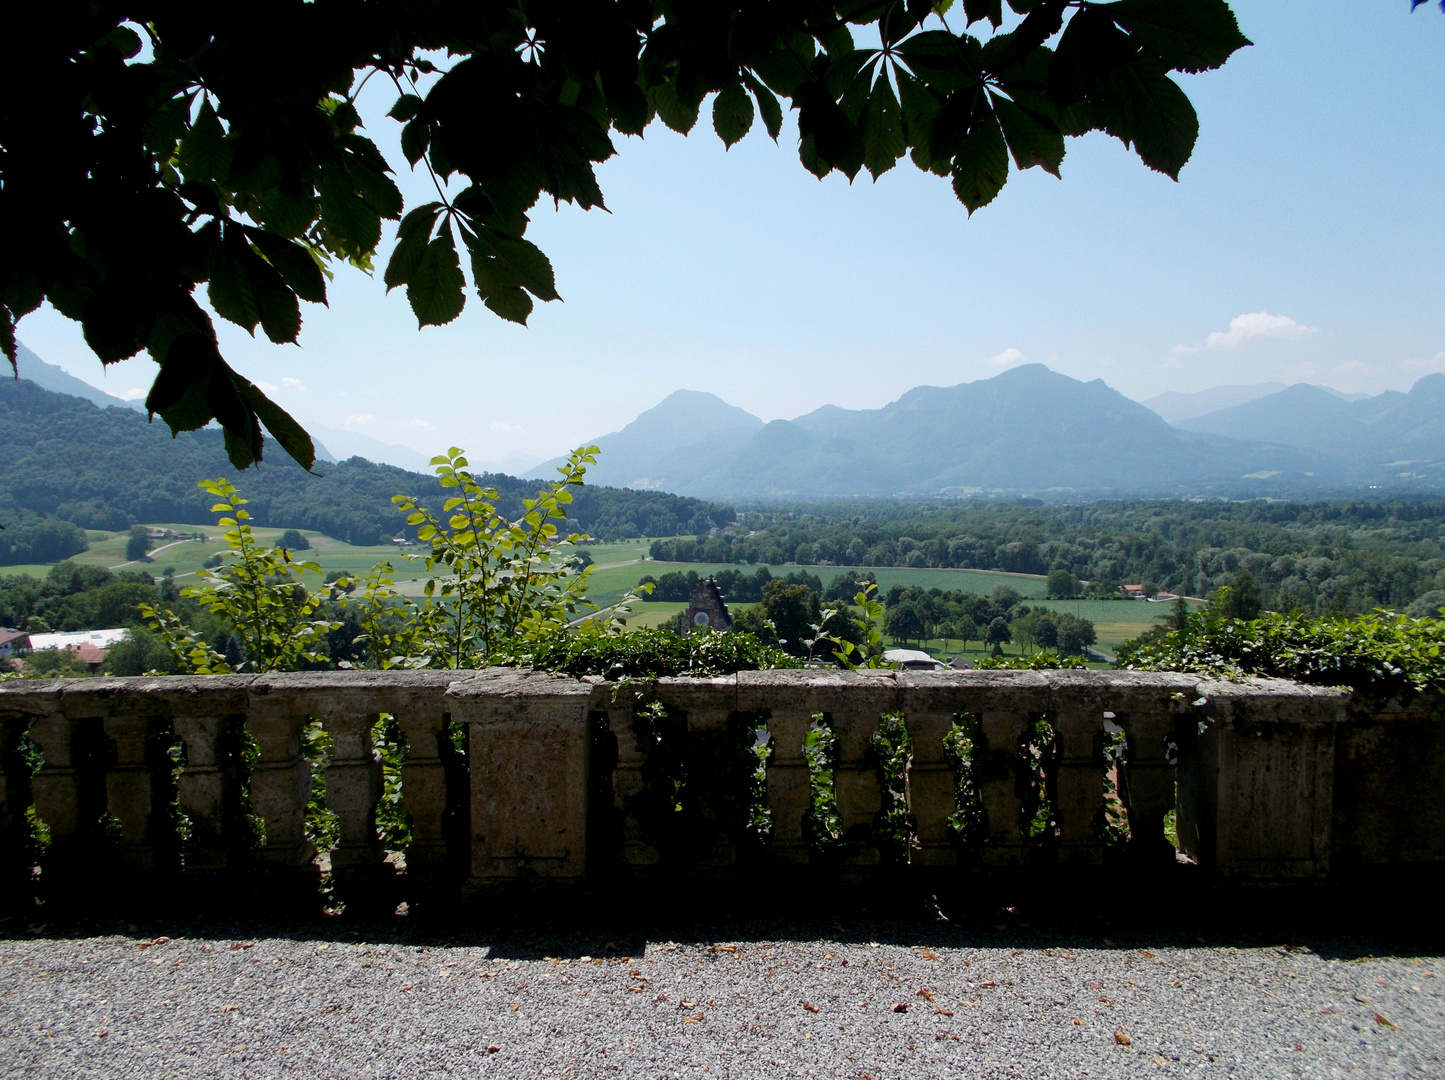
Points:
x=609, y=584
x=617, y=568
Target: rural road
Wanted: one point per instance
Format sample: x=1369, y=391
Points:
x=871, y=1002
x=156, y=551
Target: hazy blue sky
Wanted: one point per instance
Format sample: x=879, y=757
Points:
x=1313, y=197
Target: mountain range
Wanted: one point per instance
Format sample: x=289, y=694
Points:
x=1177, y=407
x=1030, y=430
x=1027, y=431
x=1390, y=434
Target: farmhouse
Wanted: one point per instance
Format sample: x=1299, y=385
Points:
x=98, y=639
x=14, y=642
x=913, y=660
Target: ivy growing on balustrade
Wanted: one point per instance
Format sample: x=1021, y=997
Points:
x=1038, y=762
x=822, y=823
x=965, y=752
x=895, y=828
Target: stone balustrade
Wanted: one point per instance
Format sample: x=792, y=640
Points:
x=516, y=780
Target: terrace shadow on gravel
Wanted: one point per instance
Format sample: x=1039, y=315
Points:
x=1375, y=919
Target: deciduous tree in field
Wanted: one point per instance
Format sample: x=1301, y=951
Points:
x=997, y=635
x=158, y=148
x=137, y=544
x=903, y=623
x=1062, y=585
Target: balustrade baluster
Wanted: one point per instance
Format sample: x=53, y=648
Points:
x=353, y=789
x=856, y=703
x=281, y=785
x=1004, y=701
x=1078, y=705
x=709, y=764
x=928, y=703
x=638, y=848
x=424, y=788
x=788, y=696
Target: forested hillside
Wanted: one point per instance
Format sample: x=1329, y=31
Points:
x=1314, y=557
x=107, y=468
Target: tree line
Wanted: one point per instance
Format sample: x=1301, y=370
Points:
x=1315, y=558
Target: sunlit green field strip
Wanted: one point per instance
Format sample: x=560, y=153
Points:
x=608, y=585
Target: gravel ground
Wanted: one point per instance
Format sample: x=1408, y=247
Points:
x=870, y=1001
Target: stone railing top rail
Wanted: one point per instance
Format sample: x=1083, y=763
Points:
x=385, y=691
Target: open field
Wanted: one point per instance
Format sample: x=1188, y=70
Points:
x=974, y=581
x=185, y=557
x=619, y=566
x=627, y=551
x=652, y=615
x=608, y=585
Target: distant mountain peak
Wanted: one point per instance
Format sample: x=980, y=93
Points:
x=57, y=380
x=1176, y=405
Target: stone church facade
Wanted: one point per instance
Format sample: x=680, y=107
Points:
x=707, y=610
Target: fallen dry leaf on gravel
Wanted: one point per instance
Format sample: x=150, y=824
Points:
x=941, y=1011
x=925, y=993
x=1385, y=1023
x=900, y=1006
x=810, y=1006
x=1121, y=1038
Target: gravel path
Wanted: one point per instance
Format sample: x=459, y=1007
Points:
x=871, y=1001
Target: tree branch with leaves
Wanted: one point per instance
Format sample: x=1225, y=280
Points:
x=159, y=148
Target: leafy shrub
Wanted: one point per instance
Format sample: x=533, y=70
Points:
x=507, y=581
x=648, y=653
x=1381, y=654
x=272, y=616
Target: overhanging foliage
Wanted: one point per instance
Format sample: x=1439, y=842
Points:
x=156, y=148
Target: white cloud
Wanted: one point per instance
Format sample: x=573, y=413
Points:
x=1431, y=363
x=265, y=387
x=1258, y=324
x=359, y=421
x=133, y=394
x=1007, y=357
x=421, y=423
x=1351, y=365
x=293, y=384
